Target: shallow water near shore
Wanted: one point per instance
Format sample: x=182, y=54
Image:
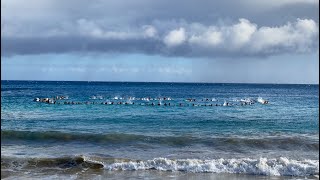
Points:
x=138, y=138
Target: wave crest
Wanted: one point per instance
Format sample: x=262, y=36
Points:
x=263, y=166
x=268, y=167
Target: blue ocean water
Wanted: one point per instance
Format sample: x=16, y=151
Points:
x=275, y=139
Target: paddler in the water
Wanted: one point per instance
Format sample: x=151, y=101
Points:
x=37, y=99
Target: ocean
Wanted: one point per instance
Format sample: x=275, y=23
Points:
x=159, y=131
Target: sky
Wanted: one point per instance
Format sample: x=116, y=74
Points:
x=216, y=41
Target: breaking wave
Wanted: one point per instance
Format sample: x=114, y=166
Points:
x=268, y=167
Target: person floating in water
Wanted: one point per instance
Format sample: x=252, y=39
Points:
x=262, y=101
x=37, y=99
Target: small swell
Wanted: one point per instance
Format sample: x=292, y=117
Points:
x=284, y=143
x=62, y=162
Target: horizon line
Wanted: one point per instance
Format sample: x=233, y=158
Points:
x=164, y=82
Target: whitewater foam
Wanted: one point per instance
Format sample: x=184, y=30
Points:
x=269, y=167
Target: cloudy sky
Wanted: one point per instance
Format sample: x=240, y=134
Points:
x=244, y=41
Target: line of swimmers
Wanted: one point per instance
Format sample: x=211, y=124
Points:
x=205, y=99
x=245, y=101
x=153, y=99
x=143, y=104
x=260, y=100
x=50, y=100
x=144, y=98
x=162, y=98
x=54, y=100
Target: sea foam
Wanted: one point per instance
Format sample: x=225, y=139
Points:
x=269, y=167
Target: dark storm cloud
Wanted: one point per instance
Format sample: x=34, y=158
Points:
x=75, y=44
x=171, y=28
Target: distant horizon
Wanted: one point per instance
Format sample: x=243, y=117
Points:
x=164, y=82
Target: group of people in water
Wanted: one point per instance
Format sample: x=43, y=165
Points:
x=242, y=102
x=50, y=100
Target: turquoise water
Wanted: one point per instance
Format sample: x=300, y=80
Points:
x=275, y=139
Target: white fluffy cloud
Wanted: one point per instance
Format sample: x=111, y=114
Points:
x=150, y=31
x=300, y=36
x=209, y=38
x=175, y=37
x=246, y=38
